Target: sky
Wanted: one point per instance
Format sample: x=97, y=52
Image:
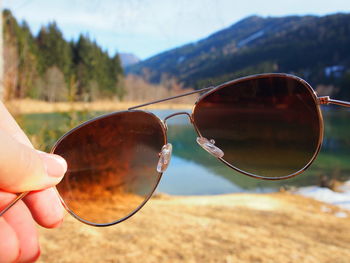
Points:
x=148, y=27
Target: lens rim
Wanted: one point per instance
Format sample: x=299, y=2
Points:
x=162, y=125
x=308, y=87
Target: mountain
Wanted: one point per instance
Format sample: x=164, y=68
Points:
x=312, y=47
x=128, y=59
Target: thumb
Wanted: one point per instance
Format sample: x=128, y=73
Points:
x=22, y=168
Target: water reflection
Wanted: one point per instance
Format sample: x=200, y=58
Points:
x=189, y=178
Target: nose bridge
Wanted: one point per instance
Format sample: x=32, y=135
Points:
x=178, y=113
x=189, y=117
x=207, y=144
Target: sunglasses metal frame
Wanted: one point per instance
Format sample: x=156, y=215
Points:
x=325, y=100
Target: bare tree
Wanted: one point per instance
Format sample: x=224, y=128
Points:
x=9, y=81
x=56, y=89
x=137, y=90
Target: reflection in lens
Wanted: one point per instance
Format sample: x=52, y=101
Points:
x=112, y=164
x=267, y=126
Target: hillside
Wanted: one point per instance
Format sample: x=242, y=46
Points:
x=314, y=48
x=128, y=59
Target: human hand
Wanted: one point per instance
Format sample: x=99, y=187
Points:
x=22, y=169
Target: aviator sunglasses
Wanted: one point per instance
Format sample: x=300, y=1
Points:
x=266, y=126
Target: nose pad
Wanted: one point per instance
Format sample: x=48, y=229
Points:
x=164, y=158
x=209, y=146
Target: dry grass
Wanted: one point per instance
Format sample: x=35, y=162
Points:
x=229, y=228
x=25, y=106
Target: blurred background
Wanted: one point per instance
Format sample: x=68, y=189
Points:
x=68, y=61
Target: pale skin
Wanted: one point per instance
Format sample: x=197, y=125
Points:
x=22, y=168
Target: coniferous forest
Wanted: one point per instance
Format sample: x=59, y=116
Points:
x=47, y=67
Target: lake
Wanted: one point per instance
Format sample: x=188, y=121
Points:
x=193, y=171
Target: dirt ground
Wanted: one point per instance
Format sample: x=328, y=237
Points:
x=278, y=227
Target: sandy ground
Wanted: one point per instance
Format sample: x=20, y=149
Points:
x=25, y=106
x=278, y=227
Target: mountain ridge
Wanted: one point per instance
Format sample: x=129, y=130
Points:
x=128, y=59
x=302, y=45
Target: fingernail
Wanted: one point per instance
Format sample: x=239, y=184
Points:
x=55, y=165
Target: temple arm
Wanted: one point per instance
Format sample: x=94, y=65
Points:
x=327, y=100
x=13, y=202
x=171, y=98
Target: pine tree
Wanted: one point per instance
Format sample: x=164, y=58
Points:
x=54, y=49
x=51, y=68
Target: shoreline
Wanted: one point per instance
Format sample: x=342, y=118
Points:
x=27, y=106
x=339, y=197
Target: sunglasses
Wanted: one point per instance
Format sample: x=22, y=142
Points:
x=266, y=126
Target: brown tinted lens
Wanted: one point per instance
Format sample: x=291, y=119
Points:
x=112, y=164
x=269, y=126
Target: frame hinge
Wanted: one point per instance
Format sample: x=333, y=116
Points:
x=323, y=100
